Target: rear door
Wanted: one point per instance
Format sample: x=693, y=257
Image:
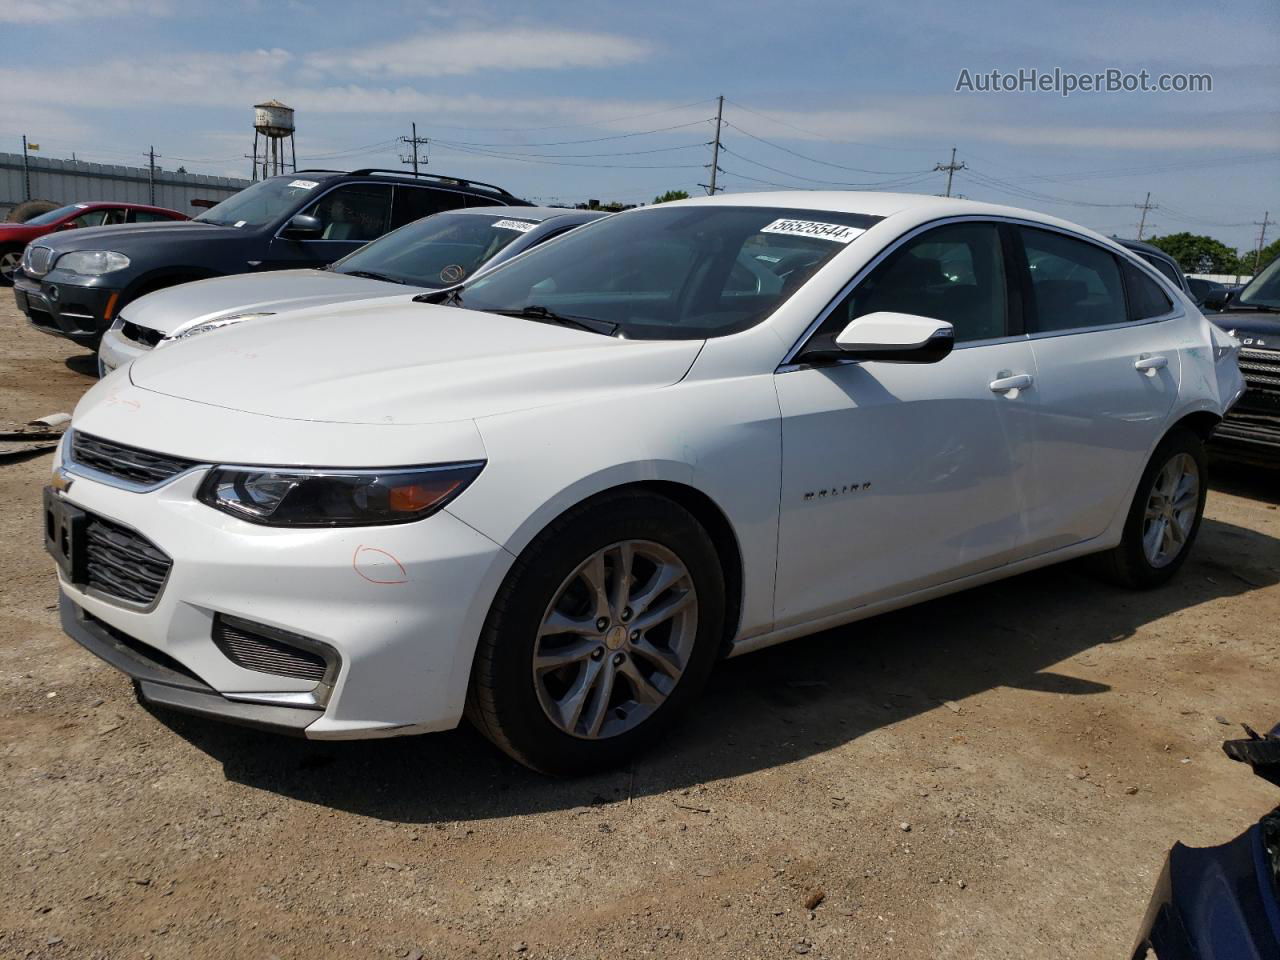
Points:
x=1107, y=353
x=414, y=202
x=900, y=476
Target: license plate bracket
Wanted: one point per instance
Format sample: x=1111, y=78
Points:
x=64, y=535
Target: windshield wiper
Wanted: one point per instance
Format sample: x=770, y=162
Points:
x=540, y=313
x=371, y=275
x=449, y=296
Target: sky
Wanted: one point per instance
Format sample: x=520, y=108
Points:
x=563, y=101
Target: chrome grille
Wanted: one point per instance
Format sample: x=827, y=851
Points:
x=242, y=643
x=122, y=563
x=36, y=260
x=1261, y=368
x=143, y=336
x=138, y=468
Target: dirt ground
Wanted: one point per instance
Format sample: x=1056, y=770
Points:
x=997, y=774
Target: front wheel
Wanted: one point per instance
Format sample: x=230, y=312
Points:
x=1165, y=515
x=606, y=627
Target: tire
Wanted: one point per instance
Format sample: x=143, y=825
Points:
x=10, y=260
x=29, y=208
x=548, y=586
x=1131, y=563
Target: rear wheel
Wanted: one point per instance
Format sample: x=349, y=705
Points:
x=1165, y=515
x=606, y=627
x=10, y=263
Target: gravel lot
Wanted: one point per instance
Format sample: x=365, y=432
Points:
x=997, y=774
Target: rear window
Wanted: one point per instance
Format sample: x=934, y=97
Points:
x=1146, y=299
x=1075, y=284
x=675, y=272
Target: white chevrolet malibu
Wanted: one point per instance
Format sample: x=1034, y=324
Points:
x=551, y=498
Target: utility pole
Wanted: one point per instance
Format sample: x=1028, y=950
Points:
x=1262, y=236
x=1144, y=206
x=413, y=142
x=951, y=168
x=711, y=187
x=26, y=170
x=151, y=174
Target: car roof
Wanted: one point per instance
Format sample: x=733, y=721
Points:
x=92, y=204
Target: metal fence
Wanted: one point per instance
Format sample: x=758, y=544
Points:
x=75, y=181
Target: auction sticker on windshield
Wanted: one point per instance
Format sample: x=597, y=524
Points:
x=835, y=232
x=304, y=184
x=523, y=226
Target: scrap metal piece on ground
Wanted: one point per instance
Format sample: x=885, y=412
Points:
x=21, y=440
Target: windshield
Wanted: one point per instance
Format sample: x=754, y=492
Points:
x=438, y=251
x=53, y=216
x=261, y=203
x=1264, y=289
x=683, y=272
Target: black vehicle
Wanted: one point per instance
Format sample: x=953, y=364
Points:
x=1162, y=262
x=1222, y=903
x=1209, y=293
x=73, y=284
x=1252, y=427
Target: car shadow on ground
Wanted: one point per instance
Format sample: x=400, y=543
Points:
x=85, y=364
x=1257, y=481
x=769, y=708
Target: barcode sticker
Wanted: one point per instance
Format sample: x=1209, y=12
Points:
x=524, y=226
x=304, y=184
x=835, y=232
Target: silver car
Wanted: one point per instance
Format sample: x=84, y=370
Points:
x=430, y=254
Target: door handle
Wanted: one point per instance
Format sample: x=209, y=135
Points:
x=1149, y=365
x=1005, y=384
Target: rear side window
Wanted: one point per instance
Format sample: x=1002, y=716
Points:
x=1146, y=299
x=1165, y=267
x=1074, y=284
x=414, y=203
x=146, y=216
x=953, y=273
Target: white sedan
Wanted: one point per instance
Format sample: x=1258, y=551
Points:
x=552, y=498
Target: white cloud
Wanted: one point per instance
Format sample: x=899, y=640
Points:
x=55, y=11
x=438, y=54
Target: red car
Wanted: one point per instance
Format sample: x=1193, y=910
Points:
x=15, y=236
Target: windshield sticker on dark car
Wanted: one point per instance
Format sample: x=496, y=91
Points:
x=835, y=232
x=304, y=184
x=523, y=226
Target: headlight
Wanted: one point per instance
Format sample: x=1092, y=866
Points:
x=215, y=324
x=92, y=263
x=285, y=497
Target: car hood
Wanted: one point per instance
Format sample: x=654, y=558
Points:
x=1252, y=324
x=393, y=361
x=122, y=236
x=173, y=309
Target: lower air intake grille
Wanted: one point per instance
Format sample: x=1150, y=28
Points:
x=122, y=563
x=248, y=645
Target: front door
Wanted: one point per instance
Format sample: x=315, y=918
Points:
x=350, y=216
x=900, y=476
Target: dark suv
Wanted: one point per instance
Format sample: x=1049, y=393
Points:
x=73, y=284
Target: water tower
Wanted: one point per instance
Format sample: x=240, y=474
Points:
x=273, y=121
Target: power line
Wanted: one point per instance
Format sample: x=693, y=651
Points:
x=560, y=156
x=1144, y=206
x=823, y=136
x=575, y=126
x=413, y=140
x=565, y=163
x=915, y=177
x=566, y=143
x=825, y=163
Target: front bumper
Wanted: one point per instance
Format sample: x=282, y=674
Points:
x=116, y=350
x=62, y=308
x=401, y=605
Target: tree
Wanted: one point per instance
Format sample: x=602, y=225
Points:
x=671, y=195
x=1269, y=253
x=1197, y=253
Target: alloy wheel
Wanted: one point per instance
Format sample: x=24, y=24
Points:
x=1171, y=510
x=10, y=260
x=615, y=639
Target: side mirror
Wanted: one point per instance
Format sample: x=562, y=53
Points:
x=69, y=225
x=896, y=338
x=303, y=227
x=1215, y=301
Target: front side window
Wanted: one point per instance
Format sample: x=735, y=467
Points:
x=954, y=273
x=92, y=218
x=1074, y=284
x=356, y=213
x=673, y=273
x=1146, y=299
x=438, y=251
